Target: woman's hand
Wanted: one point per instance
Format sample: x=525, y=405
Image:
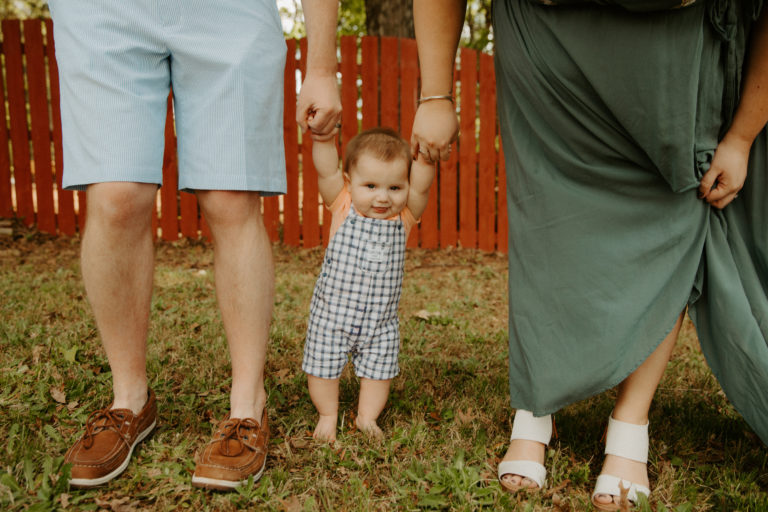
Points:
x=725, y=177
x=434, y=129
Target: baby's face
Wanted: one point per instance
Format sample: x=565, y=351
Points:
x=379, y=189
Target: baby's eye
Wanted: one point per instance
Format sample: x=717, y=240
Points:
x=370, y=185
x=394, y=187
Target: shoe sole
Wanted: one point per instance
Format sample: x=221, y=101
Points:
x=225, y=485
x=94, y=482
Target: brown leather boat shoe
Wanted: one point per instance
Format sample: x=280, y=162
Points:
x=237, y=451
x=104, y=450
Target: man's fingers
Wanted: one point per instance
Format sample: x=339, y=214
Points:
x=304, y=114
x=324, y=122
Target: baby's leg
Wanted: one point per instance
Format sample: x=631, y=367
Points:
x=325, y=395
x=373, y=398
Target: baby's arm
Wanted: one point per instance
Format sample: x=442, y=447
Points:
x=422, y=175
x=330, y=181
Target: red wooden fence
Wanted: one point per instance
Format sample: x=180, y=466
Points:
x=378, y=84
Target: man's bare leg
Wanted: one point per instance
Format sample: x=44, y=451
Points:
x=117, y=260
x=245, y=276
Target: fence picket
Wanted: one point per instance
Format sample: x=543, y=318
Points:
x=487, y=204
x=467, y=150
x=389, y=84
x=14, y=76
x=39, y=125
x=189, y=215
x=291, y=222
x=349, y=75
x=65, y=198
x=169, y=213
x=6, y=197
x=369, y=70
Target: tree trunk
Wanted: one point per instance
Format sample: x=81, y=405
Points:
x=389, y=18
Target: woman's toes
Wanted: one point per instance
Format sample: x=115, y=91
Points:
x=511, y=480
x=515, y=481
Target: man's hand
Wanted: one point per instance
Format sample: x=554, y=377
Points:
x=319, y=106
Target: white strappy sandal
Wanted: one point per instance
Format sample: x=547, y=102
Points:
x=530, y=428
x=631, y=442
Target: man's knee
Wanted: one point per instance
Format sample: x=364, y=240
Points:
x=120, y=204
x=230, y=207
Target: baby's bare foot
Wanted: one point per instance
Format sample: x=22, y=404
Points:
x=325, y=430
x=370, y=427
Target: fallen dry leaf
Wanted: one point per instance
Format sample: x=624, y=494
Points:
x=37, y=350
x=292, y=504
x=425, y=315
x=465, y=417
x=58, y=395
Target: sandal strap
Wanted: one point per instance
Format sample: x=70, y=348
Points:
x=609, y=484
x=530, y=428
x=525, y=468
x=627, y=440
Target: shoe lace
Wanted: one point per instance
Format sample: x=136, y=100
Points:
x=237, y=430
x=104, y=419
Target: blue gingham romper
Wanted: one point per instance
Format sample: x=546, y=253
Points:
x=354, y=306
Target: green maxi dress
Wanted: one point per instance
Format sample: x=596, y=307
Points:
x=609, y=119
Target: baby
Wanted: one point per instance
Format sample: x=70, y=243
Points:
x=374, y=203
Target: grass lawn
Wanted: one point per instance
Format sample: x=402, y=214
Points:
x=447, y=422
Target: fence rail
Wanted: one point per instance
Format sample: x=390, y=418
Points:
x=378, y=82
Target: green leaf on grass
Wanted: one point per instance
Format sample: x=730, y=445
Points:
x=70, y=354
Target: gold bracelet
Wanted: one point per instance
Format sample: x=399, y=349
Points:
x=430, y=98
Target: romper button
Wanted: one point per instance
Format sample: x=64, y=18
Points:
x=325, y=274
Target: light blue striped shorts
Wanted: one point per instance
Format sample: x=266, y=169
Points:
x=224, y=59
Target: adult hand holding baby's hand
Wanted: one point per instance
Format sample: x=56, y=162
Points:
x=434, y=129
x=319, y=106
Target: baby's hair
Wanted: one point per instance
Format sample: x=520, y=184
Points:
x=382, y=143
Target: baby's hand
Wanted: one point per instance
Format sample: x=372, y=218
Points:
x=330, y=180
x=325, y=156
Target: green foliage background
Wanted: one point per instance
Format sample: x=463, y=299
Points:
x=477, y=30
x=23, y=9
